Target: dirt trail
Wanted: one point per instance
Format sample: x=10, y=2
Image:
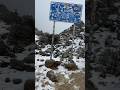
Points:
x=75, y=82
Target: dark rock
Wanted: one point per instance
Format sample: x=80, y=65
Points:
x=90, y=85
x=80, y=52
x=48, y=50
x=44, y=53
x=36, y=53
x=29, y=85
x=37, y=59
x=68, y=43
x=29, y=59
x=18, y=65
x=7, y=80
x=57, y=53
x=17, y=81
x=52, y=64
x=4, y=64
x=42, y=60
x=4, y=49
x=71, y=66
x=18, y=49
x=51, y=75
x=29, y=68
x=65, y=55
x=41, y=65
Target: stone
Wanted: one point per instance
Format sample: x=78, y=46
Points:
x=18, y=49
x=29, y=85
x=17, y=81
x=71, y=66
x=52, y=64
x=18, y=65
x=51, y=75
x=29, y=59
x=4, y=64
x=7, y=80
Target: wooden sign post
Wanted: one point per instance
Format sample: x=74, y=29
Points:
x=52, y=45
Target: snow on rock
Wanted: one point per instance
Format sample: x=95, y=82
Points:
x=42, y=81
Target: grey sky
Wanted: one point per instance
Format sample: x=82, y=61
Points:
x=42, y=15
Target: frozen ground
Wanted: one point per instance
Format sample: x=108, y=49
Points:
x=44, y=83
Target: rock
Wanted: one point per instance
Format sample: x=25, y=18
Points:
x=65, y=55
x=51, y=75
x=80, y=52
x=29, y=59
x=4, y=49
x=18, y=49
x=7, y=80
x=29, y=85
x=37, y=59
x=90, y=86
x=36, y=53
x=17, y=81
x=44, y=53
x=48, y=50
x=42, y=60
x=68, y=43
x=71, y=66
x=52, y=64
x=4, y=64
x=57, y=53
x=18, y=65
x=29, y=68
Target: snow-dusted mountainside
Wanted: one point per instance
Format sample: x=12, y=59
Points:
x=16, y=51
x=63, y=72
x=103, y=40
x=13, y=70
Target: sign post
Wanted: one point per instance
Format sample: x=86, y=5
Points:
x=65, y=12
x=52, y=46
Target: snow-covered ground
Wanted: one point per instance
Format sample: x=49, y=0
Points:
x=8, y=74
x=41, y=70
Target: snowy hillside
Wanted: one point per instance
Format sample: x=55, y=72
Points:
x=103, y=40
x=16, y=51
x=63, y=72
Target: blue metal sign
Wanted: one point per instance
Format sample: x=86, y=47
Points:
x=65, y=12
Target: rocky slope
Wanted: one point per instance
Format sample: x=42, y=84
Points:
x=64, y=72
x=16, y=51
x=103, y=46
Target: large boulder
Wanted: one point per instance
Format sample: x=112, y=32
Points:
x=71, y=66
x=51, y=75
x=52, y=64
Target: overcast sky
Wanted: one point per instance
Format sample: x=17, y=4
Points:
x=42, y=15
